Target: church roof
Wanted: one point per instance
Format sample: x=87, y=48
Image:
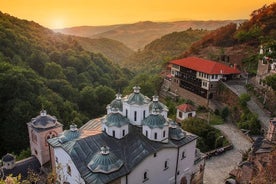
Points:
x=105, y=161
x=44, y=121
x=22, y=167
x=115, y=119
x=71, y=134
x=175, y=132
x=156, y=105
x=132, y=150
x=8, y=158
x=137, y=98
x=155, y=120
x=205, y=66
x=117, y=103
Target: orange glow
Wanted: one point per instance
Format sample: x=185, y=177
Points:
x=68, y=13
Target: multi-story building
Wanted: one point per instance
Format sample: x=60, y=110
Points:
x=134, y=143
x=196, y=79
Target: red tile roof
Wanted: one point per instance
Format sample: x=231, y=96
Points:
x=205, y=66
x=185, y=108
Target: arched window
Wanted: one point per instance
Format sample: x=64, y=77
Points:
x=183, y=155
x=135, y=115
x=144, y=114
x=146, y=133
x=155, y=135
x=145, y=176
x=164, y=133
x=68, y=169
x=123, y=132
x=113, y=133
x=50, y=135
x=166, y=166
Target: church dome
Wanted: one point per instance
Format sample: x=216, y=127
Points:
x=105, y=162
x=155, y=120
x=71, y=134
x=115, y=119
x=176, y=132
x=137, y=98
x=117, y=103
x=156, y=105
x=44, y=121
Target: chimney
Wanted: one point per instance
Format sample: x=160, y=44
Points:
x=235, y=66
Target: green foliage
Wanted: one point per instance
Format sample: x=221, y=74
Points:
x=42, y=69
x=253, y=33
x=249, y=121
x=271, y=81
x=210, y=138
x=224, y=113
x=149, y=83
x=24, y=154
x=250, y=64
x=216, y=120
x=243, y=99
x=157, y=53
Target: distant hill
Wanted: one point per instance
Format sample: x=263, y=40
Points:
x=112, y=49
x=40, y=69
x=137, y=35
x=158, y=52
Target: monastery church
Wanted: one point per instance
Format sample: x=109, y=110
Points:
x=135, y=142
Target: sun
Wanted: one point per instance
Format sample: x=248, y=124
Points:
x=57, y=23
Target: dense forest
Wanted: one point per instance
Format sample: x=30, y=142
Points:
x=40, y=69
x=157, y=53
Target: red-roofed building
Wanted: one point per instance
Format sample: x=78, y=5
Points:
x=185, y=111
x=199, y=76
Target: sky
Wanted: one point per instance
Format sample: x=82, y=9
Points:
x=68, y=13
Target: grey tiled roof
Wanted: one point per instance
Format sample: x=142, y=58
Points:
x=131, y=149
x=8, y=157
x=115, y=119
x=117, y=104
x=155, y=121
x=105, y=161
x=44, y=121
x=69, y=135
x=22, y=167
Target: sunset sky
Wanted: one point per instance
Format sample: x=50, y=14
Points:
x=68, y=13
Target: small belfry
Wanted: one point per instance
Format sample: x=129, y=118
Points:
x=42, y=128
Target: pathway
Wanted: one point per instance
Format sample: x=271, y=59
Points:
x=238, y=87
x=217, y=168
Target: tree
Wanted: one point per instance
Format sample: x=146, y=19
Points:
x=271, y=81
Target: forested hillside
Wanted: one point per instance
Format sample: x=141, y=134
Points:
x=112, y=49
x=160, y=51
x=40, y=69
x=137, y=35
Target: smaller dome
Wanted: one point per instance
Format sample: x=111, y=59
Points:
x=117, y=103
x=105, y=161
x=115, y=119
x=176, y=131
x=44, y=121
x=156, y=105
x=70, y=135
x=8, y=158
x=137, y=98
x=155, y=120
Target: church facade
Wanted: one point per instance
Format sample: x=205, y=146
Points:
x=135, y=142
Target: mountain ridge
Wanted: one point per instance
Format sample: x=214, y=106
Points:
x=139, y=34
